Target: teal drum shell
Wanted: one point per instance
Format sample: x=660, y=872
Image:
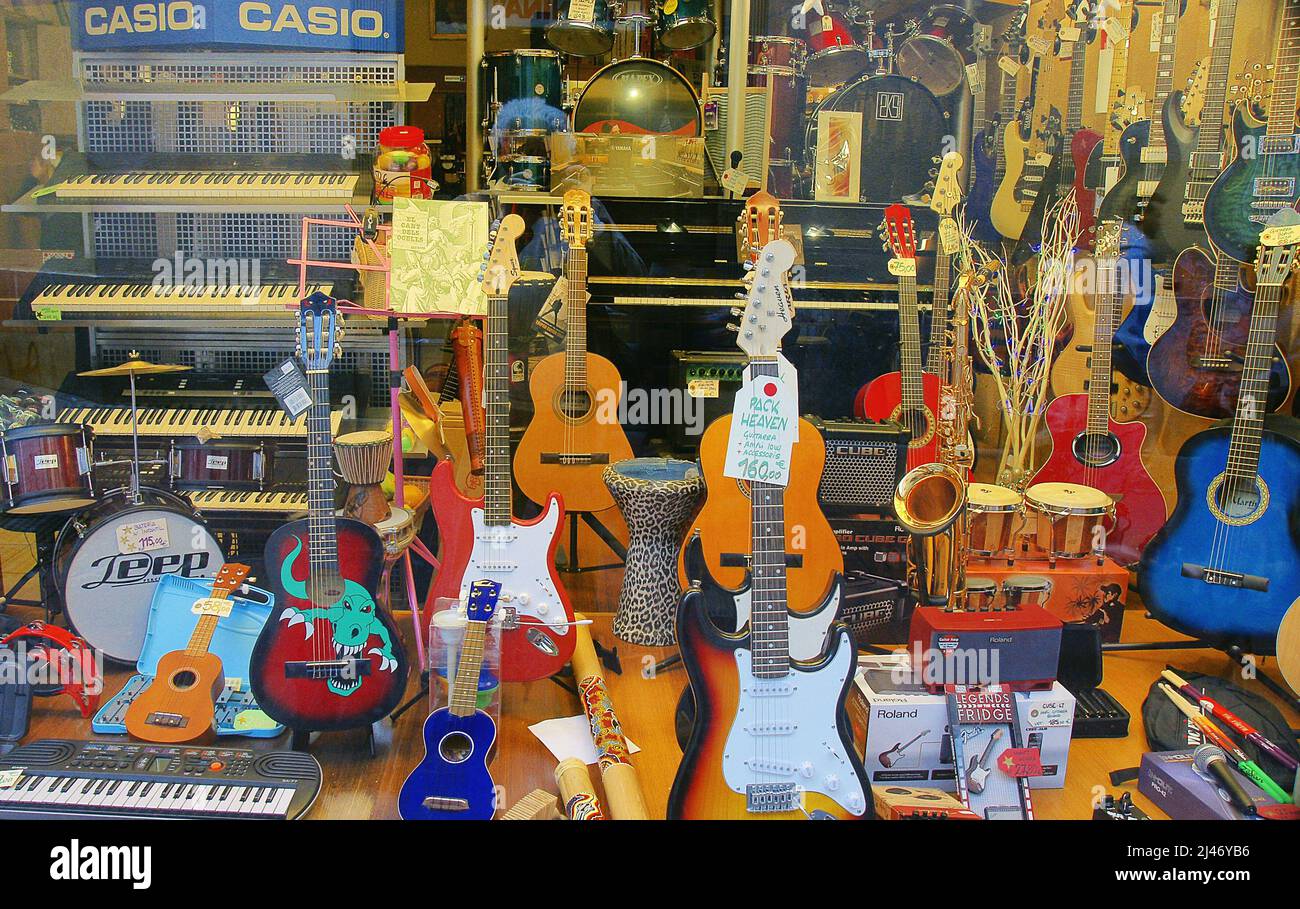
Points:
x=579, y=38
x=689, y=25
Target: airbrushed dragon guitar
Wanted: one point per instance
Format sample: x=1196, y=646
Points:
x=332, y=658
x=480, y=539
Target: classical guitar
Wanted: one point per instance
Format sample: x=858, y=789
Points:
x=719, y=531
x=1264, y=176
x=1175, y=215
x=452, y=783
x=772, y=739
x=909, y=396
x=332, y=659
x=479, y=537
x=1197, y=364
x=1288, y=646
x=575, y=433
x=1091, y=449
x=179, y=705
x=978, y=771
x=1226, y=567
x=1082, y=143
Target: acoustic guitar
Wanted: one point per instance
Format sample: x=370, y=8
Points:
x=575, y=432
x=1288, y=647
x=179, y=705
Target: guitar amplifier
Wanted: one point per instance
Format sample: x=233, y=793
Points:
x=711, y=379
x=865, y=461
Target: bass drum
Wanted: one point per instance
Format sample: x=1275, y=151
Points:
x=109, y=559
x=638, y=97
x=903, y=129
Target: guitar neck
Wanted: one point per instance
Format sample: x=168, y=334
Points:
x=1209, y=142
x=1118, y=84
x=575, y=344
x=496, y=394
x=909, y=330
x=1252, y=399
x=1107, y=310
x=1165, y=61
x=1010, y=90
x=769, y=618
x=463, y=700
x=1286, y=77
x=323, y=545
x=940, y=309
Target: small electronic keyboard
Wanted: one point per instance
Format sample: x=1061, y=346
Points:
x=64, y=779
x=144, y=300
x=183, y=185
x=222, y=500
x=166, y=422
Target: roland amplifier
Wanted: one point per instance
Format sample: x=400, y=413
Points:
x=864, y=463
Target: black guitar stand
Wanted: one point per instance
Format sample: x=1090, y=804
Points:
x=572, y=565
x=421, y=695
x=1239, y=655
x=300, y=739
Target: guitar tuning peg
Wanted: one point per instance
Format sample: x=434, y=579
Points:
x=732, y=327
x=737, y=311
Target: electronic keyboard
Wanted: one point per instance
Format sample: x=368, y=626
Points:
x=144, y=300
x=86, y=780
x=170, y=186
x=227, y=423
x=223, y=500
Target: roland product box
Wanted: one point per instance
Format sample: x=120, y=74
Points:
x=1073, y=591
x=902, y=730
x=1169, y=779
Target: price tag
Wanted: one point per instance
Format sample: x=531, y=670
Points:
x=249, y=720
x=1021, y=762
x=1070, y=34
x=582, y=10
x=1281, y=236
x=1009, y=65
x=734, y=180
x=949, y=236
x=703, y=388
x=1115, y=30
x=764, y=427
x=1051, y=715
x=9, y=778
x=48, y=313
x=902, y=268
x=975, y=78
x=1039, y=45
x=218, y=606
x=143, y=536
x=289, y=385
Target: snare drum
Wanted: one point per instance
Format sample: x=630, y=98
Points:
x=996, y=517
x=937, y=57
x=46, y=469
x=582, y=37
x=684, y=24
x=1024, y=590
x=836, y=56
x=397, y=532
x=221, y=465
x=778, y=50
x=1066, y=517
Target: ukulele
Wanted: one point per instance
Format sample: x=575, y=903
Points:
x=333, y=658
x=1090, y=448
x=909, y=396
x=977, y=772
x=1226, y=567
x=452, y=782
x=721, y=538
x=575, y=432
x=772, y=739
x=479, y=536
x=179, y=705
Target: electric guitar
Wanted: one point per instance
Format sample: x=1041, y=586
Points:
x=479, y=537
x=772, y=739
x=1264, y=177
x=1175, y=215
x=452, y=783
x=179, y=705
x=1104, y=160
x=722, y=538
x=1082, y=143
x=888, y=758
x=986, y=148
x=574, y=434
x=977, y=772
x=1091, y=449
x=333, y=658
x=1226, y=567
x=909, y=396
x=943, y=202
x=1197, y=364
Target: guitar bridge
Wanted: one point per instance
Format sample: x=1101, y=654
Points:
x=1219, y=578
x=770, y=798
x=572, y=459
x=445, y=803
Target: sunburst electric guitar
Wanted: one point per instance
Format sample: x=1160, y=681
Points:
x=575, y=433
x=772, y=738
x=479, y=537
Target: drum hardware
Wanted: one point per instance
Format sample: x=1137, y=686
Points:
x=633, y=37
x=363, y=462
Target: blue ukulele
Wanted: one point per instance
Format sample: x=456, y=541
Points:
x=452, y=783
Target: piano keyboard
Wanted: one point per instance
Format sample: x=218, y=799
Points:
x=170, y=186
x=80, y=780
x=209, y=422
x=143, y=300
x=248, y=501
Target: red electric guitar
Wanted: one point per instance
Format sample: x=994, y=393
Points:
x=479, y=537
x=1091, y=449
x=910, y=396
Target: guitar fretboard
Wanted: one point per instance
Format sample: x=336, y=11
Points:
x=909, y=330
x=1286, y=76
x=1106, y=319
x=496, y=386
x=1118, y=83
x=940, y=308
x=1252, y=400
x=1165, y=60
x=464, y=691
x=1204, y=166
x=769, y=618
x=323, y=546
x=575, y=342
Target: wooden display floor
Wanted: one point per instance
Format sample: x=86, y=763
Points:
x=358, y=786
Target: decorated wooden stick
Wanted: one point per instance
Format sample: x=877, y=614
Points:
x=577, y=792
x=622, y=787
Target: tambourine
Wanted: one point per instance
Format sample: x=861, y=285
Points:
x=84, y=690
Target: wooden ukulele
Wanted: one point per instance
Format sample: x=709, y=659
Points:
x=909, y=396
x=179, y=705
x=723, y=540
x=575, y=432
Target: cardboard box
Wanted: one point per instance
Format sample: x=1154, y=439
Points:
x=901, y=730
x=1169, y=779
x=1081, y=591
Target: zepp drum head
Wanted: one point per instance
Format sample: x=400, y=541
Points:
x=114, y=568
x=637, y=97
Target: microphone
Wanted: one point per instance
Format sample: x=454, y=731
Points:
x=1212, y=760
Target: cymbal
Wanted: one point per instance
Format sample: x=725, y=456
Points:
x=138, y=367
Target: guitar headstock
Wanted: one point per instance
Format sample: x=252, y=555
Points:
x=1278, y=245
x=318, y=331
x=1107, y=244
x=763, y=220
x=483, y=597
x=229, y=579
x=501, y=270
x=576, y=220
x=947, y=186
x=901, y=232
x=767, y=316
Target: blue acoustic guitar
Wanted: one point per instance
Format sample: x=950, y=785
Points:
x=1226, y=567
x=1265, y=176
x=452, y=783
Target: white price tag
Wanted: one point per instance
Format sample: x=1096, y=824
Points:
x=298, y=401
x=1116, y=30
x=703, y=388
x=949, y=236
x=9, y=778
x=1039, y=45
x=764, y=427
x=1070, y=34
x=582, y=10
x=143, y=536
x=1009, y=65
x=734, y=180
x=902, y=268
x=218, y=606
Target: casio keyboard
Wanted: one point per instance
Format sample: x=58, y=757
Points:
x=103, y=780
x=209, y=422
x=145, y=300
x=170, y=186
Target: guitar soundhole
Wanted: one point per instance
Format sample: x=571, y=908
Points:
x=1238, y=499
x=456, y=747
x=1096, y=449
x=575, y=405
x=917, y=422
x=184, y=680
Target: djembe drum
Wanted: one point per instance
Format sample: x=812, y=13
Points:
x=657, y=497
x=363, y=459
